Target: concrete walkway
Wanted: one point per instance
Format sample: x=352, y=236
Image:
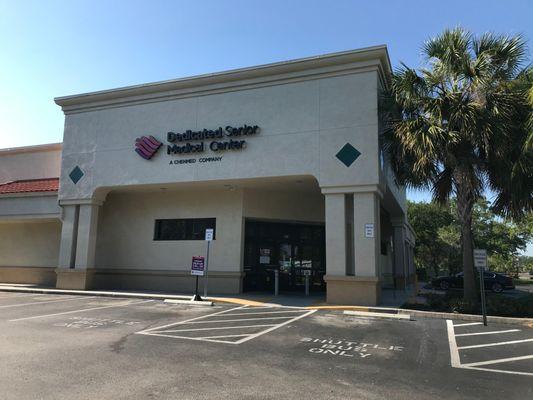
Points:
x=314, y=300
x=284, y=300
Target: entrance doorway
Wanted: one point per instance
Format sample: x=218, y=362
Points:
x=293, y=249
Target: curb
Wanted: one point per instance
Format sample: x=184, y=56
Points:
x=242, y=302
x=190, y=302
x=528, y=322
x=150, y=296
x=381, y=315
x=383, y=310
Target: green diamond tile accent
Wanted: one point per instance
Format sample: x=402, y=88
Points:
x=348, y=154
x=76, y=174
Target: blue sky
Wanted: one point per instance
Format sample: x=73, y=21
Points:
x=56, y=48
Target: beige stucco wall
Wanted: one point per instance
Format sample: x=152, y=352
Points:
x=126, y=225
x=303, y=124
x=29, y=205
x=126, y=230
x=30, y=164
x=285, y=206
x=29, y=244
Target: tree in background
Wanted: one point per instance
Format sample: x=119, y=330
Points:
x=438, y=236
x=525, y=264
x=459, y=126
x=433, y=252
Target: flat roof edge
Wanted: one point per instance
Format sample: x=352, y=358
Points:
x=378, y=52
x=31, y=149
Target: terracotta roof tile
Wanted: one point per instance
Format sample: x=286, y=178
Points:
x=30, y=185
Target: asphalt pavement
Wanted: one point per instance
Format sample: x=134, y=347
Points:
x=74, y=347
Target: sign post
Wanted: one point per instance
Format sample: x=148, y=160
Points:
x=480, y=262
x=307, y=274
x=197, y=269
x=208, y=239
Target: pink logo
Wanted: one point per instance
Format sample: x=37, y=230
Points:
x=147, y=146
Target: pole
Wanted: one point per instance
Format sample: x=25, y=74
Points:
x=276, y=282
x=307, y=285
x=482, y=290
x=206, y=269
x=196, y=295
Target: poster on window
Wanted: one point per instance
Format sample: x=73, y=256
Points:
x=264, y=256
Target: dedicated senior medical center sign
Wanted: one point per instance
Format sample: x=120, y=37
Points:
x=194, y=142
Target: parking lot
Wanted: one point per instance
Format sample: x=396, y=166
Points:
x=82, y=347
x=478, y=347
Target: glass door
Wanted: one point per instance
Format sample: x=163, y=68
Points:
x=293, y=249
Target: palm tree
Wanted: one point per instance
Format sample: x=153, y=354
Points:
x=459, y=128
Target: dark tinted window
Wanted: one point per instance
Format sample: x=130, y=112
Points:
x=183, y=229
x=383, y=248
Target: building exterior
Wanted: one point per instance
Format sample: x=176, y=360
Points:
x=283, y=161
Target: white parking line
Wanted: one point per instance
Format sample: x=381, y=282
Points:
x=265, y=312
x=468, y=324
x=198, y=339
x=455, y=358
x=46, y=301
x=189, y=320
x=501, y=360
x=487, y=333
x=502, y=371
x=223, y=336
x=475, y=346
x=164, y=330
x=77, y=311
x=218, y=327
x=454, y=353
x=274, y=327
x=236, y=320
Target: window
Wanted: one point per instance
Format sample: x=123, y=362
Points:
x=183, y=229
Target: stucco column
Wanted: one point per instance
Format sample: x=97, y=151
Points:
x=400, y=265
x=69, y=231
x=343, y=286
x=86, y=243
x=335, y=235
x=412, y=267
x=80, y=251
x=367, y=234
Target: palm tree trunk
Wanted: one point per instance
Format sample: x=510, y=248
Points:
x=465, y=205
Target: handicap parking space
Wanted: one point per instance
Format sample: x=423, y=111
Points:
x=50, y=307
x=498, y=348
x=18, y=299
x=86, y=312
x=233, y=326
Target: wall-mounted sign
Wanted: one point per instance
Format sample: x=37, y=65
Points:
x=198, y=266
x=193, y=142
x=147, y=146
x=369, y=230
x=181, y=142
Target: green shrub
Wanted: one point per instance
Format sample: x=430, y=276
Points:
x=497, y=304
x=510, y=307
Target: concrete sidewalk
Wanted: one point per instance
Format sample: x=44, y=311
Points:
x=250, y=299
x=390, y=299
x=314, y=301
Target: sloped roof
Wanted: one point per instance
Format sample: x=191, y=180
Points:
x=30, y=185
